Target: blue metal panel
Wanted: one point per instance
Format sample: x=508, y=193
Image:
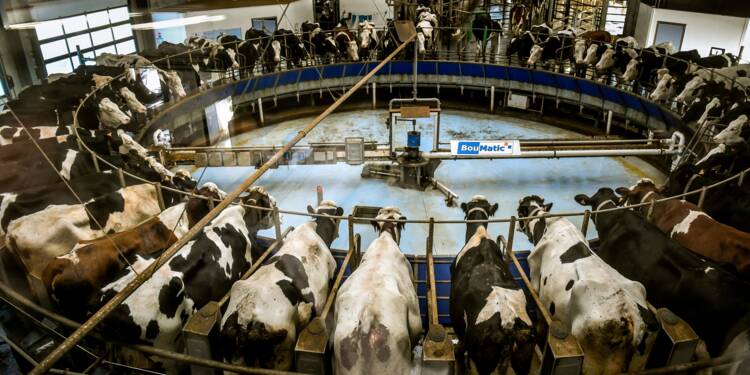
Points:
x=473, y=70
x=401, y=67
x=518, y=74
x=589, y=88
x=496, y=72
x=449, y=69
x=386, y=69
x=309, y=74
x=288, y=78
x=672, y=121
x=611, y=94
x=567, y=83
x=633, y=102
x=426, y=67
x=241, y=87
x=266, y=81
x=333, y=71
x=544, y=78
x=353, y=70
x=652, y=109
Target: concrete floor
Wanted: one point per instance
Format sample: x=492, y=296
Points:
x=502, y=181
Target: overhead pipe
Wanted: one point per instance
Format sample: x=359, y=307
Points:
x=46, y=364
x=554, y=154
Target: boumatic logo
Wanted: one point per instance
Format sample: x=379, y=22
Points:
x=475, y=148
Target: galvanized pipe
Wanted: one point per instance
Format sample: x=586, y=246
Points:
x=553, y=154
x=102, y=313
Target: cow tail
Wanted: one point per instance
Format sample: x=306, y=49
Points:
x=252, y=343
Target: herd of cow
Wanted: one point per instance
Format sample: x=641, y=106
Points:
x=85, y=248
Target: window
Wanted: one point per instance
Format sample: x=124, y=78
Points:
x=716, y=51
x=670, y=32
x=265, y=24
x=615, y=20
x=92, y=33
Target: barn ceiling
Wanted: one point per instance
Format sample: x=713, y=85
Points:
x=198, y=5
x=735, y=8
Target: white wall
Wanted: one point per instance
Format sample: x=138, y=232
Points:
x=298, y=12
x=702, y=31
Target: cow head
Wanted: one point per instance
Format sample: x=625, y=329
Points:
x=260, y=215
x=580, y=51
x=390, y=227
x=532, y=205
x=664, y=88
x=276, y=49
x=196, y=207
x=690, y=89
x=606, y=61
x=713, y=104
x=479, y=208
x=591, y=54
x=631, y=70
x=604, y=198
x=352, y=50
x=732, y=134
x=365, y=33
x=327, y=226
x=173, y=82
x=642, y=190
x=183, y=180
x=110, y=114
x=232, y=57
x=132, y=102
x=536, y=54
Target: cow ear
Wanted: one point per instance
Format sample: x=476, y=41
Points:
x=310, y=209
x=402, y=223
x=583, y=199
x=339, y=211
x=464, y=207
x=548, y=207
x=623, y=191
x=493, y=209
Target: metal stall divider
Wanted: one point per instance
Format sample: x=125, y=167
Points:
x=437, y=349
x=561, y=353
x=311, y=354
x=202, y=328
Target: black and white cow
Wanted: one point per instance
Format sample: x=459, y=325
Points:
x=521, y=46
x=732, y=134
x=201, y=271
x=368, y=40
x=266, y=311
x=487, y=307
x=726, y=76
x=292, y=48
x=20, y=203
x=487, y=33
x=607, y=313
x=377, y=319
x=216, y=56
x=346, y=42
x=39, y=237
x=426, y=24
x=713, y=301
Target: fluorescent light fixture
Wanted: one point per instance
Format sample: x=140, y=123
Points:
x=177, y=22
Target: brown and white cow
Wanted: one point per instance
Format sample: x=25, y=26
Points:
x=377, y=320
x=40, y=237
x=265, y=311
x=691, y=227
x=605, y=312
x=72, y=279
